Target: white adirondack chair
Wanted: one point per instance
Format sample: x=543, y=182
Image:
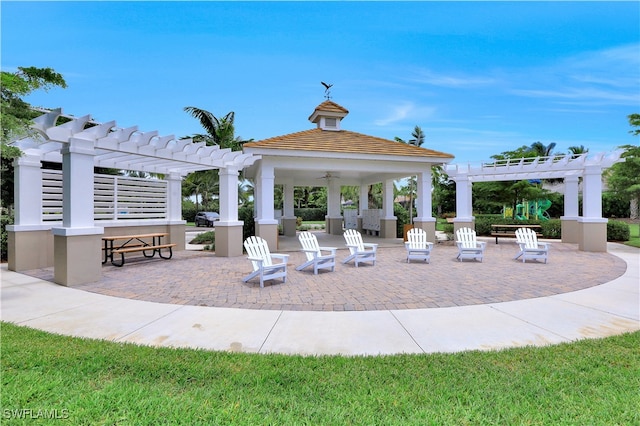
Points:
x=262, y=261
x=417, y=246
x=468, y=246
x=530, y=248
x=314, y=253
x=359, y=251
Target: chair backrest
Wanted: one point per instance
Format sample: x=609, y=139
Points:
x=527, y=237
x=309, y=242
x=354, y=238
x=258, y=248
x=417, y=238
x=466, y=237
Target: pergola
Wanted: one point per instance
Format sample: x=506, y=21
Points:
x=588, y=230
x=75, y=207
x=328, y=156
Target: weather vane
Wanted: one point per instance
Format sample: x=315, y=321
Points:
x=327, y=92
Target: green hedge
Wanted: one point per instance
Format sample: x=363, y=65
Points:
x=618, y=231
x=310, y=214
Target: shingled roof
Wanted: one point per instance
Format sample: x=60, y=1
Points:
x=340, y=141
x=344, y=141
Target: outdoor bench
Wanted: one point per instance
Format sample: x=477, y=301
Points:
x=509, y=231
x=133, y=244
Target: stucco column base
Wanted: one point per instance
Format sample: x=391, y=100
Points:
x=289, y=225
x=388, y=228
x=77, y=259
x=229, y=239
x=177, y=236
x=463, y=222
x=592, y=235
x=428, y=226
x=29, y=250
x=570, y=229
x=268, y=232
x=334, y=225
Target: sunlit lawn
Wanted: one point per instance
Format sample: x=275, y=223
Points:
x=593, y=382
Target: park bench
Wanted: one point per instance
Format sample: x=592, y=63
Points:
x=509, y=231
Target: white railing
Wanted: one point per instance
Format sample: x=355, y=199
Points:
x=115, y=197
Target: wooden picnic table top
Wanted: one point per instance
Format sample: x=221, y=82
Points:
x=125, y=237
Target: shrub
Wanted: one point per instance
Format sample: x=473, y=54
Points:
x=403, y=218
x=5, y=219
x=205, y=238
x=552, y=228
x=618, y=231
x=310, y=214
x=245, y=214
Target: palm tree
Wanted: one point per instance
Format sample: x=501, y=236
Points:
x=541, y=150
x=577, y=150
x=418, y=139
x=220, y=132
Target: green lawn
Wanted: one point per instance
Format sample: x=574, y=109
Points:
x=634, y=239
x=97, y=382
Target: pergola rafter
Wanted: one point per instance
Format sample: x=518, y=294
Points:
x=128, y=148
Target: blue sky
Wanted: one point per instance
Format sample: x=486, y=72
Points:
x=480, y=78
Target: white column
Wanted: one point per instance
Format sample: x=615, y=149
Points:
x=27, y=190
x=464, y=206
x=387, y=200
x=424, y=202
x=592, y=192
x=228, y=195
x=266, y=179
x=333, y=198
x=174, y=197
x=571, y=192
x=363, y=204
x=77, y=184
x=288, y=188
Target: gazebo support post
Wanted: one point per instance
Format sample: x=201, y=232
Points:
x=77, y=244
x=569, y=222
x=228, y=228
x=333, y=219
x=593, y=227
x=464, y=210
x=266, y=225
x=29, y=242
x=424, y=219
x=388, y=224
x=289, y=220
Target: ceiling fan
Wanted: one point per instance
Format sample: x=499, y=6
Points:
x=329, y=175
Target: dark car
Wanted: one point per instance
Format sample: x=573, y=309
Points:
x=206, y=218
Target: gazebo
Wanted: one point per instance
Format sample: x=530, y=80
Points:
x=332, y=157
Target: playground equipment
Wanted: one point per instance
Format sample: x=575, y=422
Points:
x=528, y=210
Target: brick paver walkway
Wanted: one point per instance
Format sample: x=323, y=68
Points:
x=202, y=279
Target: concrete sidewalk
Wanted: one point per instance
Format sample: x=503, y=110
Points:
x=604, y=310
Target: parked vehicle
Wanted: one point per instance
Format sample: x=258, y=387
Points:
x=206, y=218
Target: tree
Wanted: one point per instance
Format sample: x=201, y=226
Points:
x=542, y=150
x=624, y=178
x=220, y=132
x=577, y=150
x=16, y=115
x=418, y=139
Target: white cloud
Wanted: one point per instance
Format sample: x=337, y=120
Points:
x=426, y=76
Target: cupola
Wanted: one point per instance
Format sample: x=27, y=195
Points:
x=328, y=115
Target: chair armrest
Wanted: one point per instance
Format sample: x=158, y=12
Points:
x=283, y=257
x=370, y=245
x=482, y=244
x=331, y=249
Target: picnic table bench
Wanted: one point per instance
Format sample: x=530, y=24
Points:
x=509, y=231
x=121, y=244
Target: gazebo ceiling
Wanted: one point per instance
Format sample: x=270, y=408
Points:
x=128, y=148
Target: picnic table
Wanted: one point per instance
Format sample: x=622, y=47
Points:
x=509, y=231
x=145, y=243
